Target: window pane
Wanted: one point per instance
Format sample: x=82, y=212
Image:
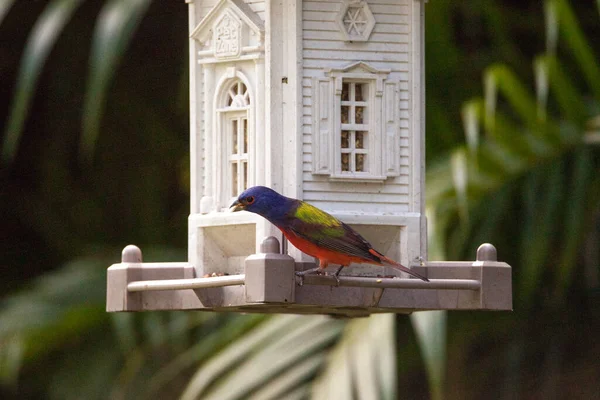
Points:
x=245, y=122
x=359, y=139
x=360, y=162
x=360, y=93
x=234, y=136
x=345, y=139
x=245, y=176
x=234, y=179
x=345, y=91
x=344, y=114
x=359, y=115
x=345, y=162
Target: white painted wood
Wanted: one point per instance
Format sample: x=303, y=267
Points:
x=224, y=9
x=323, y=126
x=208, y=203
x=418, y=114
x=292, y=99
x=391, y=47
x=386, y=38
x=294, y=60
x=228, y=49
x=381, y=47
x=196, y=167
x=272, y=151
x=258, y=6
x=355, y=20
x=326, y=140
x=322, y=37
x=343, y=54
x=260, y=126
x=391, y=146
x=480, y=285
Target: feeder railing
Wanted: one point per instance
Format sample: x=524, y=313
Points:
x=193, y=283
x=268, y=283
x=319, y=280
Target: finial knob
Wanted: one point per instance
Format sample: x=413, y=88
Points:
x=270, y=245
x=131, y=254
x=487, y=252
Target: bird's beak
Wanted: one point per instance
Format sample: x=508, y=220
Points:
x=236, y=206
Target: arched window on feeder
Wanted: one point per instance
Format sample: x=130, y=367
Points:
x=235, y=133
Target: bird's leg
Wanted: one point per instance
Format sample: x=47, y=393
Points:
x=336, y=274
x=308, y=271
x=301, y=274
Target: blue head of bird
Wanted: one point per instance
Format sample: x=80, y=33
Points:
x=263, y=201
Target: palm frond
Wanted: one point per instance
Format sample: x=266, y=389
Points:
x=39, y=44
x=115, y=27
x=54, y=310
x=276, y=349
x=362, y=364
x=579, y=46
x=430, y=329
x=4, y=8
x=533, y=152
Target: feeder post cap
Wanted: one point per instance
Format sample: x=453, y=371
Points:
x=270, y=276
x=270, y=245
x=119, y=276
x=496, y=280
x=131, y=254
x=487, y=252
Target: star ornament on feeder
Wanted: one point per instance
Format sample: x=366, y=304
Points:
x=314, y=232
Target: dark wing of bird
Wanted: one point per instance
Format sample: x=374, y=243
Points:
x=326, y=231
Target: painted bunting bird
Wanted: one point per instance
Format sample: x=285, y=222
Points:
x=313, y=231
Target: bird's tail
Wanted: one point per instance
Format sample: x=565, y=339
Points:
x=397, y=265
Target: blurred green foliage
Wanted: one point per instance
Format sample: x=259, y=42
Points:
x=94, y=156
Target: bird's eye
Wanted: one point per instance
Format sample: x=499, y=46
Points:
x=250, y=199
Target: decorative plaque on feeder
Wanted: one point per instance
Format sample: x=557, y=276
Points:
x=321, y=101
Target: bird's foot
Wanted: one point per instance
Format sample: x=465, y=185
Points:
x=336, y=275
x=302, y=274
x=337, y=281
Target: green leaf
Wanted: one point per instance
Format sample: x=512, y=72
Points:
x=500, y=78
x=280, y=386
x=55, y=309
x=234, y=328
x=542, y=86
x=564, y=91
x=11, y=359
x=430, y=328
x=579, y=46
x=116, y=25
x=575, y=218
x=4, y=8
x=543, y=196
x=362, y=362
x=268, y=351
x=471, y=114
x=552, y=25
x=460, y=179
x=39, y=44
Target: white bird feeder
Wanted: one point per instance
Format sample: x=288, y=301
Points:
x=322, y=101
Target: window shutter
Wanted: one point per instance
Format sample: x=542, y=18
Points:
x=322, y=126
x=391, y=131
